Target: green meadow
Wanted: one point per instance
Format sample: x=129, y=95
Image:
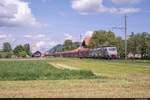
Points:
x=39, y=70
x=94, y=78
x=116, y=68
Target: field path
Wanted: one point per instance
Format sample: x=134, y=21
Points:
x=62, y=66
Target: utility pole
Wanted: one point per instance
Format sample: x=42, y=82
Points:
x=125, y=33
x=80, y=39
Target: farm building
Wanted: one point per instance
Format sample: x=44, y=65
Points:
x=36, y=54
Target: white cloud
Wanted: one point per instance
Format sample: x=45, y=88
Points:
x=96, y=6
x=68, y=37
x=53, y=43
x=45, y=1
x=37, y=46
x=89, y=33
x=129, y=10
x=14, y=13
x=40, y=43
x=86, y=6
x=5, y=36
x=126, y=1
x=35, y=36
x=36, y=41
x=43, y=45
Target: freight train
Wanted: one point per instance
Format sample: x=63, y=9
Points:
x=101, y=52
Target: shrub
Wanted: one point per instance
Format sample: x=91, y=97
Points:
x=0, y=56
x=22, y=54
x=30, y=54
x=18, y=49
x=9, y=54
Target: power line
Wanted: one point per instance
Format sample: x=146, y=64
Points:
x=125, y=33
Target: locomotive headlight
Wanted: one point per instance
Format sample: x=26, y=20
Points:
x=113, y=54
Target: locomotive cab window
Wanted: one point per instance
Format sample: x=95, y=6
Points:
x=112, y=49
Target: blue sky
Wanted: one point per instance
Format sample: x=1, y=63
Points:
x=45, y=23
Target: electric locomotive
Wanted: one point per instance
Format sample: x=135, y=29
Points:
x=101, y=52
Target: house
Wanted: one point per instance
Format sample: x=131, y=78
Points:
x=36, y=54
x=86, y=41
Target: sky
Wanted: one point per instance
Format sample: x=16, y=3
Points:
x=46, y=23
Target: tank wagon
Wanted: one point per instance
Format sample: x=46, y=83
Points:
x=101, y=52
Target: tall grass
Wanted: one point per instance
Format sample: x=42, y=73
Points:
x=39, y=70
x=108, y=67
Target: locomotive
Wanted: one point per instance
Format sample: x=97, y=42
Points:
x=101, y=52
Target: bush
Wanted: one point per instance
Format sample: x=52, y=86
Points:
x=0, y=56
x=18, y=49
x=22, y=54
x=9, y=54
x=30, y=54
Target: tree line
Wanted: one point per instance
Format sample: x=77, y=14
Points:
x=137, y=43
x=18, y=51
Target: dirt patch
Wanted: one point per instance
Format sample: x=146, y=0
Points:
x=61, y=66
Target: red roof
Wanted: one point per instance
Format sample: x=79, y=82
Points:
x=86, y=41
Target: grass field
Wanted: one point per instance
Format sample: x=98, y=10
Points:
x=39, y=70
x=125, y=79
x=111, y=68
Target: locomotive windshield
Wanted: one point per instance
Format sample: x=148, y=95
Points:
x=112, y=49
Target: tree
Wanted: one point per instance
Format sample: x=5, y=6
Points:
x=102, y=38
x=132, y=44
x=78, y=45
x=18, y=49
x=148, y=43
x=27, y=49
x=6, y=47
x=68, y=45
x=143, y=44
x=9, y=54
x=22, y=54
x=98, y=39
x=111, y=38
x=119, y=43
x=139, y=43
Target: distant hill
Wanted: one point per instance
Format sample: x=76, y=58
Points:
x=76, y=43
x=59, y=46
